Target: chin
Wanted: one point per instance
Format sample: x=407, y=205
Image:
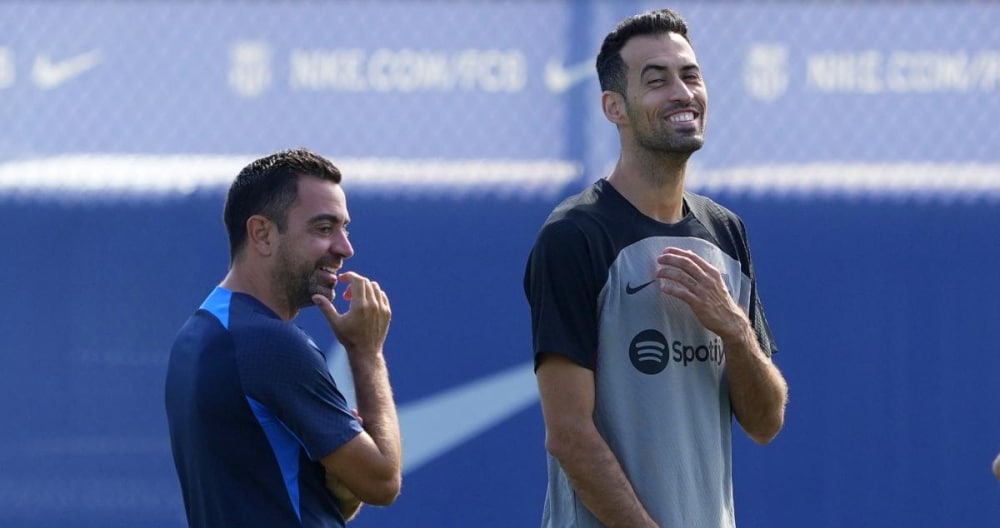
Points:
x=329, y=293
x=689, y=144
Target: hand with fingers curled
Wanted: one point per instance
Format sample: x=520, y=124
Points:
x=363, y=327
x=687, y=276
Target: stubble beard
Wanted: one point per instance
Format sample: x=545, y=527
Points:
x=662, y=144
x=659, y=139
x=663, y=141
x=297, y=280
x=669, y=143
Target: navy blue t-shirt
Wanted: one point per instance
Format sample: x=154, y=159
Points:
x=252, y=409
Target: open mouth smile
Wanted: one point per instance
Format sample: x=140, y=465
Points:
x=682, y=117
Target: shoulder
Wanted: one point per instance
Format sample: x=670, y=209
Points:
x=273, y=356
x=579, y=216
x=263, y=338
x=723, y=223
x=575, y=207
x=284, y=338
x=705, y=207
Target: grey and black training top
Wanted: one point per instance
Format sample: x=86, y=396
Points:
x=662, y=400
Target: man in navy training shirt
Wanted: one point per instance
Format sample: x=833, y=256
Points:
x=260, y=433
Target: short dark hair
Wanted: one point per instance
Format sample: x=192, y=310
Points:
x=268, y=187
x=612, y=72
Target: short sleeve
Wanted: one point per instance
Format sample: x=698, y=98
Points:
x=286, y=373
x=757, y=317
x=562, y=288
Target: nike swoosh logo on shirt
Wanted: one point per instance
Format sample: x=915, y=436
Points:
x=629, y=290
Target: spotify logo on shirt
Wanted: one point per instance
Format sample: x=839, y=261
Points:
x=651, y=352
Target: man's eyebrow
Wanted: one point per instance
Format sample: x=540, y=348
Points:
x=329, y=218
x=660, y=68
x=651, y=67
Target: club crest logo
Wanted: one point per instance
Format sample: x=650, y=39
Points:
x=250, y=68
x=765, y=72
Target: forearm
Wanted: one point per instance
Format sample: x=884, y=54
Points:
x=370, y=464
x=757, y=389
x=598, y=478
x=376, y=406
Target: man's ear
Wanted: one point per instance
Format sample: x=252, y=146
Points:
x=261, y=235
x=613, y=104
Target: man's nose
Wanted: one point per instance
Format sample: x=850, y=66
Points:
x=342, y=246
x=680, y=91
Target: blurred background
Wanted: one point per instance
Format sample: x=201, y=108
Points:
x=858, y=141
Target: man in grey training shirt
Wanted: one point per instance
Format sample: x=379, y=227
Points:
x=648, y=332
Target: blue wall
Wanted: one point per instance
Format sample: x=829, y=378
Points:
x=884, y=311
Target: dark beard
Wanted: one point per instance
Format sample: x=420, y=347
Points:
x=664, y=142
x=297, y=285
x=671, y=144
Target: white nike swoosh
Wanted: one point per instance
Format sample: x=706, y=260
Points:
x=558, y=78
x=48, y=74
x=438, y=423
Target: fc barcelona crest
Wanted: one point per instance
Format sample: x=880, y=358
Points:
x=765, y=72
x=249, y=68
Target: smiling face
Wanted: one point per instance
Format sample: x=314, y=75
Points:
x=666, y=101
x=314, y=244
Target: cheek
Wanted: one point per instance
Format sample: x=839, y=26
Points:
x=306, y=252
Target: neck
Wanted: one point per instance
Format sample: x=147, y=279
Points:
x=257, y=284
x=653, y=185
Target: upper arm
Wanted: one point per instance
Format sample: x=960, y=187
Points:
x=361, y=467
x=561, y=286
x=562, y=282
x=288, y=376
x=567, y=394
